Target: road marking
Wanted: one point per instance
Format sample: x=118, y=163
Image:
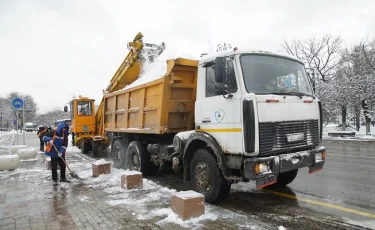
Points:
x=321, y=203
x=344, y=155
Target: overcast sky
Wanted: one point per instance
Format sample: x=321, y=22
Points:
x=57, y=49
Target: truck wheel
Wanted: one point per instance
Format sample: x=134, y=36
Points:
x=284, y=178
x=85, y=147
x=206, y=177
x=117, y=151
x=138, y=159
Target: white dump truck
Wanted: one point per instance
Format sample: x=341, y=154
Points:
x=232, y=116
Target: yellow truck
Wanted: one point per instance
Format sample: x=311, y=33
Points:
x=86, y=123
x=232, y=116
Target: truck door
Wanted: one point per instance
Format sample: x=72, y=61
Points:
x=218, y=116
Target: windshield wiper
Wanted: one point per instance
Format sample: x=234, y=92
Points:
x=299, y=94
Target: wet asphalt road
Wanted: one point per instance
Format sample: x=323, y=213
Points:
x=341, y=196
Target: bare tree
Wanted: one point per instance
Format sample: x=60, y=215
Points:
x=319, y=54
x=369, y=55
x=30, y=106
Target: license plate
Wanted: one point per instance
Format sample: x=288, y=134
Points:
x=295, y=137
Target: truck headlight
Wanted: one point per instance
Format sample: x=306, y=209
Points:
x=262, y=168
x=321, y=156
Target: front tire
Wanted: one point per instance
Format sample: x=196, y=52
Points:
x=206, y=177
x=85, y=147
x=95, y=149
x=284, y=179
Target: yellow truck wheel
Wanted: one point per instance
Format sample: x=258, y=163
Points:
x=85, y=147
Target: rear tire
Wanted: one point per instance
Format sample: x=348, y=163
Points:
x=118, y=151
x=95, y=149
x=85, y=147
x=284, y=179
x=206, y=177
x=138, y=159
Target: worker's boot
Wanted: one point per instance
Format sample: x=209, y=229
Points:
x=64, y=180
x=55, y=183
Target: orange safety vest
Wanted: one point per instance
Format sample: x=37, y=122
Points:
x=41, y=132
x=49, y=145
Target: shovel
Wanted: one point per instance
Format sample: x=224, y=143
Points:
x=72, y=174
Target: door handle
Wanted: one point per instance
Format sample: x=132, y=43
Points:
x=206, y=121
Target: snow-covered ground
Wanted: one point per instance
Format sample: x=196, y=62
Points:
x=151, y=203
x=359, y=135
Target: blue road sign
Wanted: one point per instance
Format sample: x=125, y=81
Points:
x=17, y=103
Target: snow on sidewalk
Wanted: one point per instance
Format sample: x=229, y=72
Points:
x=151, y=202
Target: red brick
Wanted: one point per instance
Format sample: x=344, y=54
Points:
x=188, y=204
x=131, y=180
x=100, y=168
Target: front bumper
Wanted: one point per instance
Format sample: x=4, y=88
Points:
x=282, y=163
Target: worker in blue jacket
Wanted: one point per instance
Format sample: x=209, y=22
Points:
x=56, y=139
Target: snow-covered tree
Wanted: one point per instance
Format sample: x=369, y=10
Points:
x=5, y=114
x=50, y=117
x=30, y=106
x=355, y=83
x=369, y=53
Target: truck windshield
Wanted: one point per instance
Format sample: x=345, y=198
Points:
x=264, y=74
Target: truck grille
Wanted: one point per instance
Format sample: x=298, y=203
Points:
x=273, y=136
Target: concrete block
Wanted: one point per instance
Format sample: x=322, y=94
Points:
x=131, y=180
x=48, y=164
x=101, y=167
x=188, y=204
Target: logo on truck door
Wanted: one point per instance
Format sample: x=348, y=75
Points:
x=219, y=115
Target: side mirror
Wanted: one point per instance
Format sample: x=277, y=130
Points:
x=65, y=108
x=219, y=89
x=220, y=69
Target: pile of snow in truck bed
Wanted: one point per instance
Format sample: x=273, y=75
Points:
x=152, y=71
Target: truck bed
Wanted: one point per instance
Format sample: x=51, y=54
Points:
x=161, y=106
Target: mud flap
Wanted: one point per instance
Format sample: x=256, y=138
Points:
x=265, y=181
x=316, y=167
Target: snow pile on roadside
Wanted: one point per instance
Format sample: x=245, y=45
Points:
x=361, y=134
x=191, y=223
x=153, y=201
x=368, y=137
x=363, y=223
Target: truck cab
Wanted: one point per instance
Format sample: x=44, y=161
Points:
x=83, y=126
x=259, y=116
